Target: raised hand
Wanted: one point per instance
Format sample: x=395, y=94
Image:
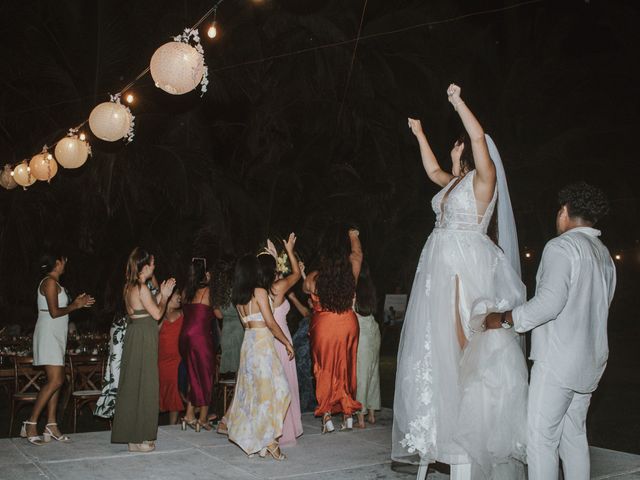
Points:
x=453, y=94
x=166, y=288
x=290, y=243
x=416, y=127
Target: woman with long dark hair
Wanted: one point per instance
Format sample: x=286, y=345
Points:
x=137, y=405
x=368, y=371
x=50, y=345
x=273, y=280
x=334, y=327
x=197, y=344
x=232, y=329
x=460, y=394
x=256, y=415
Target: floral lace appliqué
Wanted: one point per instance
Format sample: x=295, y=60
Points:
x=421, y=437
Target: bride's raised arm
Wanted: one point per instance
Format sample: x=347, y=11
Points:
x=429, y=161
x=485, y=180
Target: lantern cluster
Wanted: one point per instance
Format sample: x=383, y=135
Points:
x=177, y=67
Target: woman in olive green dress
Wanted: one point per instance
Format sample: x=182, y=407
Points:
x=137, y=404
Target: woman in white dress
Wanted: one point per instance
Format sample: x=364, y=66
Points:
x=50, y=345
x=460, y=393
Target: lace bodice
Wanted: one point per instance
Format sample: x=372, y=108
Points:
x=455, y=207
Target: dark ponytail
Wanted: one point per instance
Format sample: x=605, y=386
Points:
x=48, y=260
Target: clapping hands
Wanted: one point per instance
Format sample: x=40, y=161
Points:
x=166, y=287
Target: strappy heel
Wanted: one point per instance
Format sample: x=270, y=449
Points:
x=327, y=424
x=274, y=451
x=48, y=435
x=222, y=427
x=34, y=439
x=193, y=424
x=347, y=424
x=203, y=426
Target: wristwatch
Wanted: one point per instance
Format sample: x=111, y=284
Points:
x=503, y=321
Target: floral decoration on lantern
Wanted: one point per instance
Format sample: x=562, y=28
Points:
x=22, y=175
x=111, y=121
x=178, y=67
x=43, y=166
x=6, y=178
x=72, y=152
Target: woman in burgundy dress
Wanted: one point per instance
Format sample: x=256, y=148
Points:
x=197, y=345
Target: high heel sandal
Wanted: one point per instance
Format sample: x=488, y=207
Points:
x=222, y=427
x=48, y=435
x=193, y=424
x=34, y=439
x=327, y=424
x=347, y=424
x=274, y=451
x=204, y=426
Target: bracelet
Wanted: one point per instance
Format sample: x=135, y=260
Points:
x=456, y=105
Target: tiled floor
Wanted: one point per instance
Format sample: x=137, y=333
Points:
x=179, y=455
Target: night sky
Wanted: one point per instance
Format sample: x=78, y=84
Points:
x=282, y=144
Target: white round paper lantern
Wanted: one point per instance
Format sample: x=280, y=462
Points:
x=43, y=166
x=110, y=121
x=22, y=175
x=177, y=68
x=71, y=152
x=6, y=179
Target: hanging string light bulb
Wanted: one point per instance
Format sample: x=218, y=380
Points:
x=130, y=98
x=213, y=29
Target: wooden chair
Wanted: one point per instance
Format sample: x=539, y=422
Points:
x=27, y=384
x=87, y=372
x=228, y=389
x=6, y=375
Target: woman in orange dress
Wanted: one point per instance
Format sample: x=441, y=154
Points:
x=334, y=327
x=169, y=359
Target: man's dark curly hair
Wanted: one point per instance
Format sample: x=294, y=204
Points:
x=336, y=285
x=584, y=201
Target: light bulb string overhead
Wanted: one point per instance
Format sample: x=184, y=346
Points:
x=358, y=38
x=128, y=86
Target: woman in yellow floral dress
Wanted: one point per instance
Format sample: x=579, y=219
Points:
x=256, y=416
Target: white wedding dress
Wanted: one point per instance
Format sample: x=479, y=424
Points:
x=466, y=405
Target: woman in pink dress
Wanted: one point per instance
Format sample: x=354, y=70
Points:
x=271, y=279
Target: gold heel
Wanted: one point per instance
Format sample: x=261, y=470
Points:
x=275, y=452
x=193, y=424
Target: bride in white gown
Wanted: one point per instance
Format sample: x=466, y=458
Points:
x=461, y=391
